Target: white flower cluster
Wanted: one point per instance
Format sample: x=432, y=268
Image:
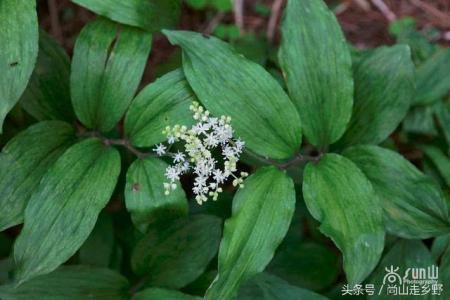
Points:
x=203, y=138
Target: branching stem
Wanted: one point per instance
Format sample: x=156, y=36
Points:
x=124, y=142
x=120, y=142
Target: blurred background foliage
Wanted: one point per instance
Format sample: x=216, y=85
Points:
x=305, y=258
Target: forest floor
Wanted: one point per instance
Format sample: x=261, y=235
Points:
x=365, y=22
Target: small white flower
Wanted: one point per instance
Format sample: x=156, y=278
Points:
x=228, y=151
x=171, y=139
x=213, y=122
x=160, y=149
x=219, y=176
x=173, y=173
x=211, y=140
x=201, y=128
x=223, y=133
x=239, y=145
x=200, y=182
x=200, y=141
x=185, y=167
x=179, y=157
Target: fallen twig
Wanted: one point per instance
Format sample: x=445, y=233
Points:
x=438, y=17
x=385, y=10
x=214, y=22
x=273, y=21
x=239, y=14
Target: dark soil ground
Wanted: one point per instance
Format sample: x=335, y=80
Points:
x=364, y=23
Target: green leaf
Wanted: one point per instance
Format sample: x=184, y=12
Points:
x=445, y=272
x=419, y=120
x=151, y=15
x=402, y=26
x=404, y=29
x=144, y=194
x=70, y=283
x=440, y=245
x=177, y=254
x=18, y=50
x=47, y=95
x=414, y=206
x=338, y=195
x=6, y=269
x=316, y=266
x=222, y=5
x=440, y=161
x=24, y=161
x=443, y=118
x=162, y=103
x=433, y=78
x=404, y=254
x=317, y=66
x=268, y=287
x=228, y=84
x=98, y=249
x=262, y=212
x=197, y=4
x=107, y=65
x=162, y=294
x=384, y=87
x=62, y=212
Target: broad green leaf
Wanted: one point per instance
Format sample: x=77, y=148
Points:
x=197, y=4
x=317, y=65
x=162, y=103
x=440, y=160
x=340, y=196
x=262, y=212
x=445, y=273
x=403, y=255
x=151, y=15
x=177, y=254
x=6, y=269
x=63, y=210
x=404, y=29
x=316, y=266
x=228, y=84
x=144, y=194
x=107, y=66
x=98, y=249
x=18, y=50
x=420, y=120
x=384, y=87
x=440, y=245
x=414, y=206
x=443, y=118
x=433, y=78
x=222, y=5
x=268, y=287
x=24, y=161
x=47, y=95
x=162, y=294
x=402, y=26
x=70, y=283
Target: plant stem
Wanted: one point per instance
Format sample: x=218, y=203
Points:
x=120, y=142
x=297, y=159
x=126, y=143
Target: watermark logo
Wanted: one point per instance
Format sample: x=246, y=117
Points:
x=414, y=282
